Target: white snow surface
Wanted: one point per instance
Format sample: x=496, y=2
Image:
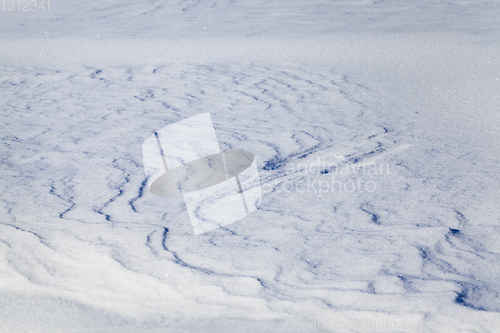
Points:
x=318, y=91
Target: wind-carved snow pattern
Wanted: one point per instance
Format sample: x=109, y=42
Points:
x=366, y=214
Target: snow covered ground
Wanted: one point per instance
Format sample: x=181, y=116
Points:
x=374, y=125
